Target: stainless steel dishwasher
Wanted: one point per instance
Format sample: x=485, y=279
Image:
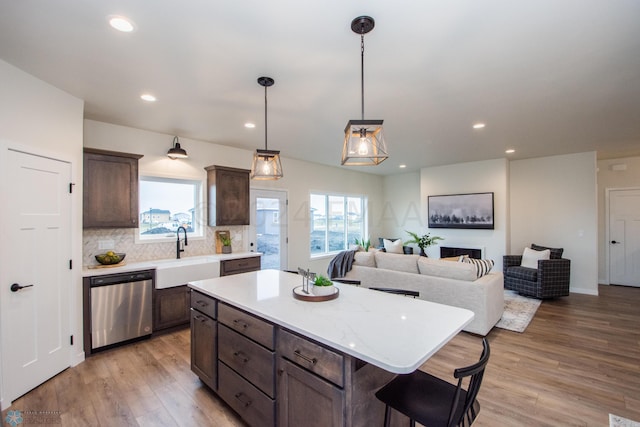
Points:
x=121, y=307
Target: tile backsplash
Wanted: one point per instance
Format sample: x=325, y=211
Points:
x=124, y=241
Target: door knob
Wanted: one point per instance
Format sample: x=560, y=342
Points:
x=16, y=287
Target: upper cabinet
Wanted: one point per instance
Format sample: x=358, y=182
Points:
x=228, y=196
x=110, y=193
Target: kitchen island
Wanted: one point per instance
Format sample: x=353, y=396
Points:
x=278, y=360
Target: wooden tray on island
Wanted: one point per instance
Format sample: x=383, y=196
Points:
x=298, y=293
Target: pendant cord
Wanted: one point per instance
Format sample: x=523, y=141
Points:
x=265, y=117
x=362, y=72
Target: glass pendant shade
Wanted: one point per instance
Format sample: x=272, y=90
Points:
x=364, y=143
x=266, y=165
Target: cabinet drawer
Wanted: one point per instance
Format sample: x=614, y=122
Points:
x=314, y=357
x=203, y=303
x=248, y=325
x=255, y=407
x=239, y=265
x=254, y=362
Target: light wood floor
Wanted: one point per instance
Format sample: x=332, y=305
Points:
x=578, y=361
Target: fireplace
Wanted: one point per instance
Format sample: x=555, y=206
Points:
x=446, y=252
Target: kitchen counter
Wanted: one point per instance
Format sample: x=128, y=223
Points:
x=88, y=271
x=394, y=333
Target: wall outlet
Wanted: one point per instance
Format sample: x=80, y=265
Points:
x=106, y=244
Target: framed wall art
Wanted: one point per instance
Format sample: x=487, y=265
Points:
x=473, y=210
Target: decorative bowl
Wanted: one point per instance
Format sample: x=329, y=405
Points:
x=110, y=258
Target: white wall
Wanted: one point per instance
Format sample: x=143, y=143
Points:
x=553, y=203
x=47, y=121
x=401, y=210
x=608, y=178
x=473, y=177
x=300, y=178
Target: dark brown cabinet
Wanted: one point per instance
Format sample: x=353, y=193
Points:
x=297, y=388
x=171, y=307
x=239, y=265
x=110, y=193
x=228, y=195
x=204, y=334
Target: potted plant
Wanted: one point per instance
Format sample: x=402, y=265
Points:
x=365, y=244
x=423, y=241
x=225, y=239
x=322, y=286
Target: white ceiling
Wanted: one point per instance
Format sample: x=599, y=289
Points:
x=547, y=76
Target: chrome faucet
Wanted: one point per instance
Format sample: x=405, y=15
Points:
x=178, y=248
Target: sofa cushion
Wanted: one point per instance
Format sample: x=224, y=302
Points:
x=365, y=259
x=530, y=257
x=523, y=273
x=459, y=258
x=482, y=266
x=393, y=246
x=555, y=253
x=397, y=262
x=450, y=270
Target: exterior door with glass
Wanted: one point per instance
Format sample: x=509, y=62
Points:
x=268, y=230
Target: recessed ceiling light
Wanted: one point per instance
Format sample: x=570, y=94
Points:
x=148, y=97
x=402, y=166
x=510, y=150
x=121, y=23
x=479, y=125
x=249, y=125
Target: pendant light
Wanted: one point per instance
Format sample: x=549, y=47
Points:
x=176, y=152
x=266, y=163
x=364, y=143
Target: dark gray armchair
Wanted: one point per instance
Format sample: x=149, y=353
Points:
x=549, y=280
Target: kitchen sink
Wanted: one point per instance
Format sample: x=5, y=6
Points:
x=175, y=272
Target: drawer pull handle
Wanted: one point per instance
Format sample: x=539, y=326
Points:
x=202, y=303
x=200, y=318
x=242, y=356
x=246, y=402
x=243, y=264
x=303, y=357
x=241, y=324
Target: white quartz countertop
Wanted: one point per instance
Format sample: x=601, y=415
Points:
x=97, y=270
x=393, y=332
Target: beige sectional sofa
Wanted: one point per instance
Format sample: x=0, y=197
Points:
x=446, y=282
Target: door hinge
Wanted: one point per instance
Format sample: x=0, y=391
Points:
x=71, y=340
x=71, y=184
x=70, y=264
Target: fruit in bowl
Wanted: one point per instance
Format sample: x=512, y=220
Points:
x=110, y=258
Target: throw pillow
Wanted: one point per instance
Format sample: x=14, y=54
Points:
x=531, y=257
x=556, y=253
x=393, y=247
x=483, y=266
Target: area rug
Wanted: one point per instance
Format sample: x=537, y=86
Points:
x=616, y=421
x=518, y=311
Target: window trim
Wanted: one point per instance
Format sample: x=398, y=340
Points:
x=199, y=207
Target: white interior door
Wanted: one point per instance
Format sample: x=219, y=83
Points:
x=36, y=249
x=268, y=230
x=624, y=237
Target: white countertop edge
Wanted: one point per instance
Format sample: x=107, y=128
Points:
x=153, y=264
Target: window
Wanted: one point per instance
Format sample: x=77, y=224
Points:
x=336, y=222
x=169, y=203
